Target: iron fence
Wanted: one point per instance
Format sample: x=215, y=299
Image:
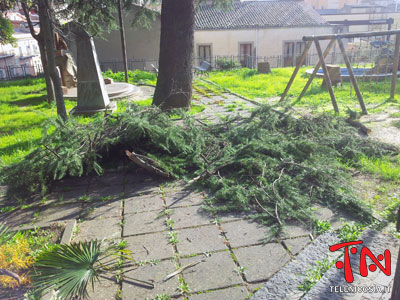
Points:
x=139, y=64
x=19, y=72
x=226, y=62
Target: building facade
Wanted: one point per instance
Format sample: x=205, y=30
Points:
x=250, y=31
x=22, y=59
x=254, y=31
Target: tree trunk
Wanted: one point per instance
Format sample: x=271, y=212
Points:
x=123, y=44
x=49, y=83
x=174, y=83
x=48, y=35
x=39, y=38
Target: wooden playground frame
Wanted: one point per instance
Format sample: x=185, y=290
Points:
x=332, y=39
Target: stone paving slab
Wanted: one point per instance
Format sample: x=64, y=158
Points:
x=105, y=289
x=12, y=294
x=232, y=216
x=216, y=271
x=143, y=204
x=108, y=179
x=235, y=293
x=133, y=287
x=71, y=183
x=3, y=190
x=146, y=222
x=98, y=229
x=190, y=216
x=19, y=217
x=140, y=184
x=105, y=192
x=200, y=239
x=262, y=261
x=183, y=198
x=103, y=210
x=244, y=233
x=150, y=246
x=60, y=212
x=75, y=194
x=336, y=219
x=294, y=229
x=295, y=245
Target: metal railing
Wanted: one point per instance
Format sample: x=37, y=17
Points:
x=19, y=72
x=227, y=62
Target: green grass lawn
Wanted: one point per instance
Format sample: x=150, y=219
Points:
x=264, y=86
x=23, y=108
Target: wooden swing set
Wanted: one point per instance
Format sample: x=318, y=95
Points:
x=322, y=55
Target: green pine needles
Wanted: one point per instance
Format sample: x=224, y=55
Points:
x=270, y=162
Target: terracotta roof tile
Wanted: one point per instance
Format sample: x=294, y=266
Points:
x=258, y=14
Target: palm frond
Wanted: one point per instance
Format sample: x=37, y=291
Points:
x=69, y=269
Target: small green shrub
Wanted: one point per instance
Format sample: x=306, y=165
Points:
x=321, y=226
x=225, y=63
x=390, y=211
x=246, y=73
x=350, y=232
x=315, y=273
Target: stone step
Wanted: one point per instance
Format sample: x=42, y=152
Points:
x=284, y=284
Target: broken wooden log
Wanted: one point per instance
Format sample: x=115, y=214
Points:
x=358, y=125
x=4, y=272
x=140, y=161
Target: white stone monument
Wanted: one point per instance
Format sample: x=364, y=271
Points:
x=92, y=94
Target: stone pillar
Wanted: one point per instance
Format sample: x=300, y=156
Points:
x=92, y=94
x=334, y=74
x=263, y=68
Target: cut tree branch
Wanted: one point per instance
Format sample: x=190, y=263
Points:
x=10, y=274
x=138, y=159
x=358, y=125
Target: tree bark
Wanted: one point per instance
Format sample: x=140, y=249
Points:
x=46, y=26
x=123, y=43
x=39, y=38
x=174, y=83
x=49, y=82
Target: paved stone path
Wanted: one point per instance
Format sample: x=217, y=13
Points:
x=166, y=228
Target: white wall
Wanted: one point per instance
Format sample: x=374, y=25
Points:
x=141, y=44
x=268, y=42
x=144, y=44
